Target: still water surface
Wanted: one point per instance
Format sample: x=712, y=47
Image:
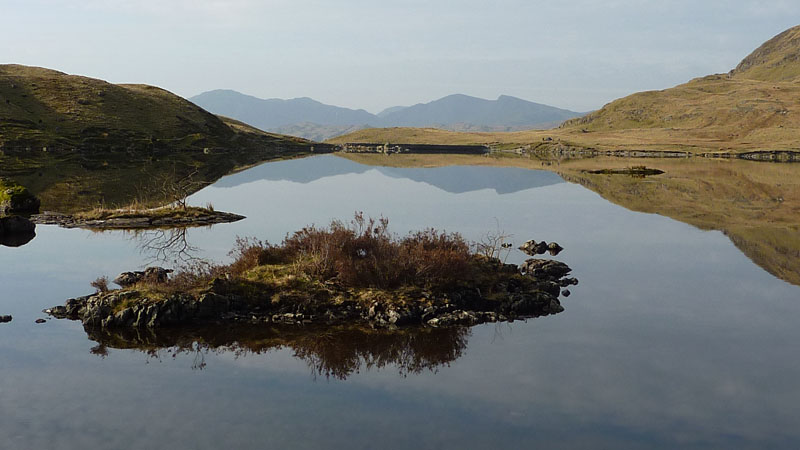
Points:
x=673, y=337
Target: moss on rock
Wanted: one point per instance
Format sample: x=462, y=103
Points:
x=16, y=199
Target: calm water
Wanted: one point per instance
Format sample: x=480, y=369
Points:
x=673, y=337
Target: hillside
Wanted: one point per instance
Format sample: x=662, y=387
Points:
x=75, y=140
x=754, y=107
x=45, y=108
x=310, y=119
x=776, y=60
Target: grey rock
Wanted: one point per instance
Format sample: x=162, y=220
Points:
x=534, y=248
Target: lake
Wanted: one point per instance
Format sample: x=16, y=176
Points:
x=681, y=333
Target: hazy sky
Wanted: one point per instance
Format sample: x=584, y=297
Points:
x=372, y=54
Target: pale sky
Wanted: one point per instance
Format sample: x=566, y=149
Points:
x=367, y=54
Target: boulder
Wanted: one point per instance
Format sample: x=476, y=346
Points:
x=534, y=248
x=554, y=249
x=15, y=199
x=5, y=319
x=545, y=269
x=150, y=274
x=126, y=279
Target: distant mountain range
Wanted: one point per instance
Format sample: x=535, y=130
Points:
x=308, y=118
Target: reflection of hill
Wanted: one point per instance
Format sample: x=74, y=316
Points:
x=756, y=204
x=77, y=181
x=329, y=351
x=453, y=179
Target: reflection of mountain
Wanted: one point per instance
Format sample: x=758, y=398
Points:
x=329, y=351
x=453, y=179
x=757, y=205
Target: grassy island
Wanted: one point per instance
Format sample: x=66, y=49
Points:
x=356, y=272
x=137, y=218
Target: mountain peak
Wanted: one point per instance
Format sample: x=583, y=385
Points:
x=776, y=60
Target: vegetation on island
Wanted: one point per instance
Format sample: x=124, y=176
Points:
x=345, y=272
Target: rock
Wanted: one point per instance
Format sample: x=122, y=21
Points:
x=534, y=248
x=16, y=225
x=150, y=274
x=126, y=279
x=157, y=274
x=545, y=269
x=40, y=321
x=566, y=293
x=16, y=199
x=554, y=249
x=568, y=282
x=5, y=319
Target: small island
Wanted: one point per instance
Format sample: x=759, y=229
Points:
x=133, y=218
x=345, y=273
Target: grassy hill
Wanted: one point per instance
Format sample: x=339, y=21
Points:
x=77, y=142
x=754, y=107
x=45, y=108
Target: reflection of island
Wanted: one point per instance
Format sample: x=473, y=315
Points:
x=453, y=179
x=164, y=244
x=16, y=231
x=329, y=351
x=757, y=205
x=16, y=240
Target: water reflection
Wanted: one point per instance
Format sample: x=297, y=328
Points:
x=164, y=245
x=331, y=352
x=755, y=204
x=16, y=239
x=452, y=179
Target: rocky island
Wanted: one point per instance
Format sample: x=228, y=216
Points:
x=356, y=273
x=127, y=219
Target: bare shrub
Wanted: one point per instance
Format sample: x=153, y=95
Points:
x=101, y=284
x=364, y=253
x=495, y=244
x=193, y=275
x=250, y=252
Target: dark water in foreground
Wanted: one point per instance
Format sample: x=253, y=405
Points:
x=673, y=337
